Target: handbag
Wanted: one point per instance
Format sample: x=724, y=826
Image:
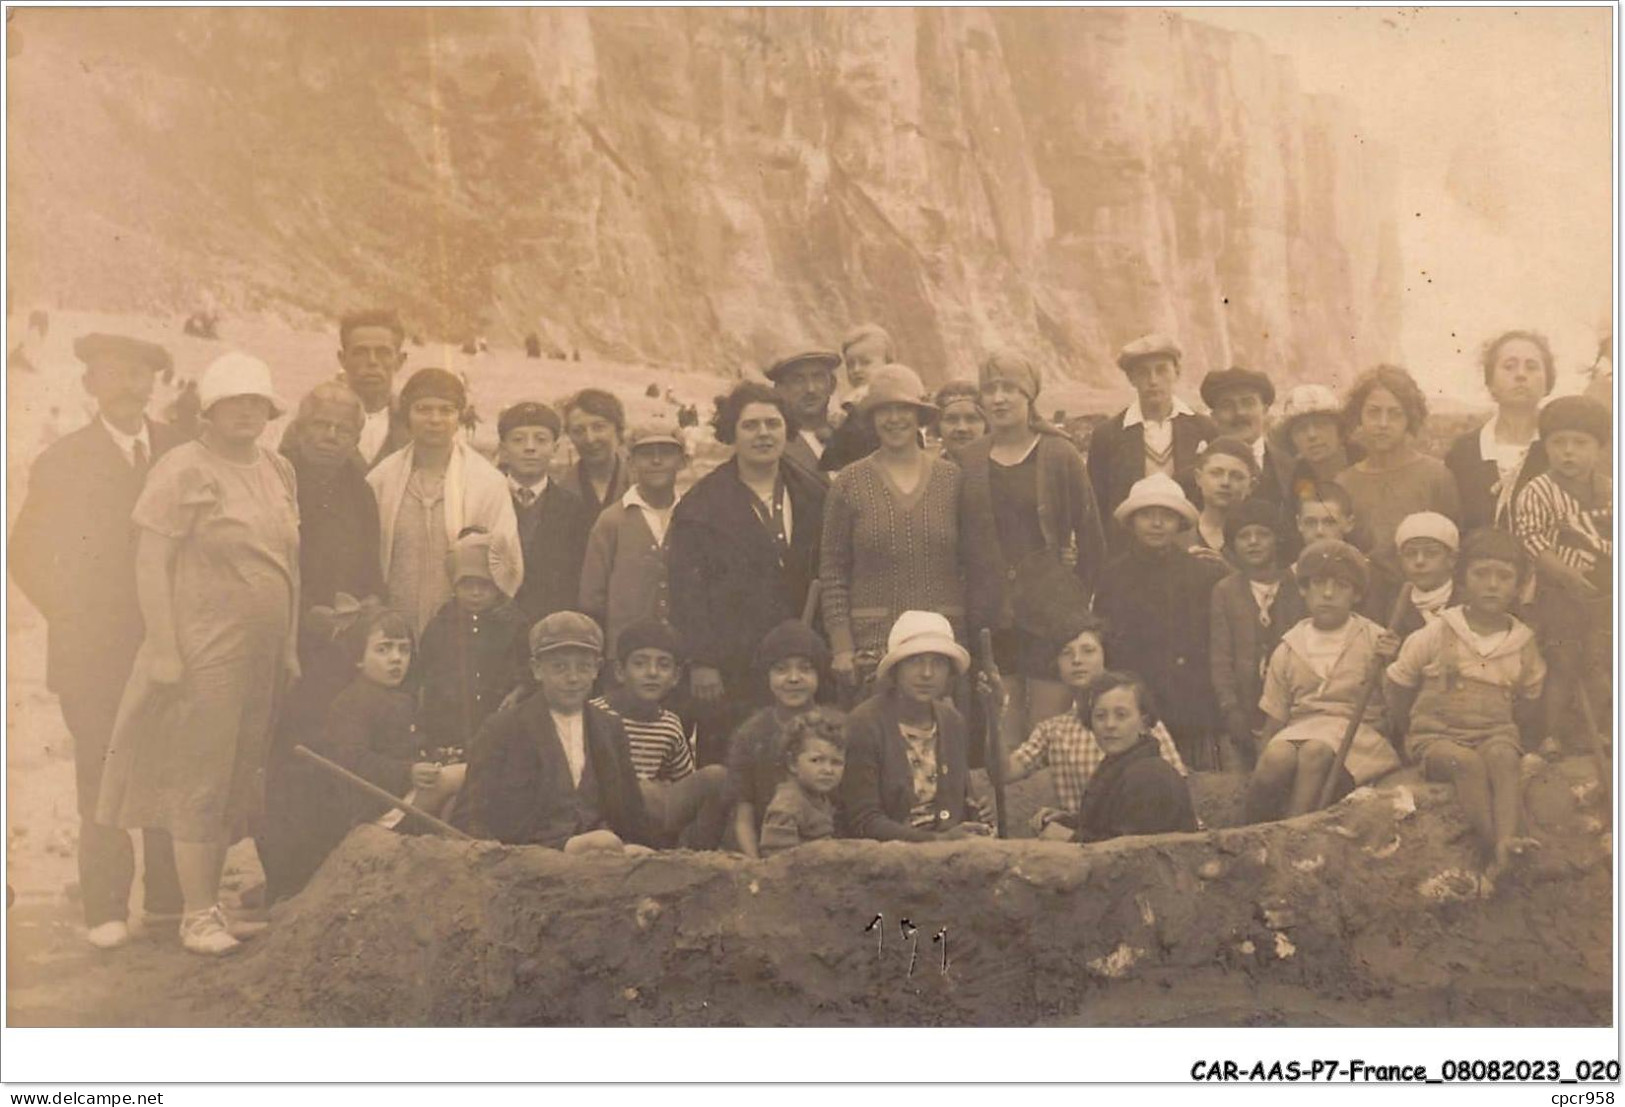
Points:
x=1046, y=598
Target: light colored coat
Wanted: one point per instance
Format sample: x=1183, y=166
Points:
x=476, y=496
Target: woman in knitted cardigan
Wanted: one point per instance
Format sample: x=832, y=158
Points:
x=891, y=531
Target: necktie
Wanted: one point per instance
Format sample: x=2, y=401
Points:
x=526, y=496
x=138, y=458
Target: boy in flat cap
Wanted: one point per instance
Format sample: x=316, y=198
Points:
x=1565, y=519
x=1240, y=400
x=1314, y=680
x=806, y=380
x=623, y=578
x=553, y=521
x=73, y=556
x=1157, y=433
x=553, y=770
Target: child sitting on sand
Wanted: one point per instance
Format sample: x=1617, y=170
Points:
x=1135, y=791
x=1315, y=678
x=1064, y=742
x=907, y=749
x=1457, y=686
x=803, y=808
x=1427, y=544
x=791, y=657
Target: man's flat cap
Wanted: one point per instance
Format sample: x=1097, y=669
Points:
x=1234, y=379
x=828, y=359
x=97, y=346
x=1149, y=345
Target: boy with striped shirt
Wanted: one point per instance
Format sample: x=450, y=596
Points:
x=679, y=798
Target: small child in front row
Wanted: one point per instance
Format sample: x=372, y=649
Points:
x=1315, y=678
x=1457, y=686
x=803, y=807
x=647, y=667
x=1135, y=790
x=1064, y=742
x=791, y=658
x=1249, y=612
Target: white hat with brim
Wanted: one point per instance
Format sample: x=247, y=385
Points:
x=917, y=632
x=1309, y=399
x=895, y=383
x=1157, y=490
x=237, y=374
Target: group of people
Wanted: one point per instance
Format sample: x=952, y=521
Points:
x=597, y=655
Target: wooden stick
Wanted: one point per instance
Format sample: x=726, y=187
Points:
x=992, y=710
x=377, y=793
x=1372, y=683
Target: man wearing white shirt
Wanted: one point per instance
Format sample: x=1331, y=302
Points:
x=370, y=354
x=1157, y=433
x=1240, y=400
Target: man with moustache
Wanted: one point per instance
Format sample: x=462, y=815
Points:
x=806, y=380
x=1239, y=400
x=73, y=556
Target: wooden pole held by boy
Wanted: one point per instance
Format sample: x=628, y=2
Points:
x=1372, y=683
x=992, y=709
x=377, y=793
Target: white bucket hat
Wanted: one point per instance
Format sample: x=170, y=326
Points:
x=237, y=374
x=917, y=632
x=1157, y=490
x=1309, y=399
x=1428, y=524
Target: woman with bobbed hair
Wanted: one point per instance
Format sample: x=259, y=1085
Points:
x=1491, y=464
x=429, y=492
x=1032, y=539
x=1385, y=412
x=742, y=553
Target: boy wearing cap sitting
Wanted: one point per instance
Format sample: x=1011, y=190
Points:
x=647, y=667
x=1315, y=678
x=553, y=770
x=552, y=519
x=1250, y=610
x=623, y=579
x=1564, y=518
x=1155, y=596
x=472, y=654
x=1427, y=543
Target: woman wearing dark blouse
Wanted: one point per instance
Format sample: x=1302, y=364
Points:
x=1028, y=523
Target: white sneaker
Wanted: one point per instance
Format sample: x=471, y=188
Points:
x=109, y=935
x=205, y=932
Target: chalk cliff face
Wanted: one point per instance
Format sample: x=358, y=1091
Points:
x=697, y=186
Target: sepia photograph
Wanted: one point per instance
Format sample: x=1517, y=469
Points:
x=797, y=517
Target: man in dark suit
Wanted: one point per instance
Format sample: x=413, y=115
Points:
x=73, y=556
x=806, y=380
x=1157, y=433
x=370, y=355
x=553, y=521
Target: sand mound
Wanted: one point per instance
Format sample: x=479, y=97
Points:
x=1367, y=909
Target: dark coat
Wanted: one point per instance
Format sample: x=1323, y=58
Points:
x=1478, y=480
x=369, y=730
x=728, y=586
x=397, y=437
x=1157, y=607
x=1135, y=792
x=574, y=480
x=1117, y=460
x=1275, y=478
x=877, y=792
x=799, y=455
x=518, y=788
x=466, y=664
x=73, y=555
x=553, y=538
x=853, y=440
x=1066, y=514
x=338, y=534
x=1240, y=644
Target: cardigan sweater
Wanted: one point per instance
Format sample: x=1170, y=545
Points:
x=877, y=792
x=519, y=791
x=1478, y=481
x=729, y=584
x=623, y=578
x=1067, y=516
x=1135, y=792
x=885, y=553
x=1241, y=645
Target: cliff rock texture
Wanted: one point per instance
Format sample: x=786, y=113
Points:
x=696, y=186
